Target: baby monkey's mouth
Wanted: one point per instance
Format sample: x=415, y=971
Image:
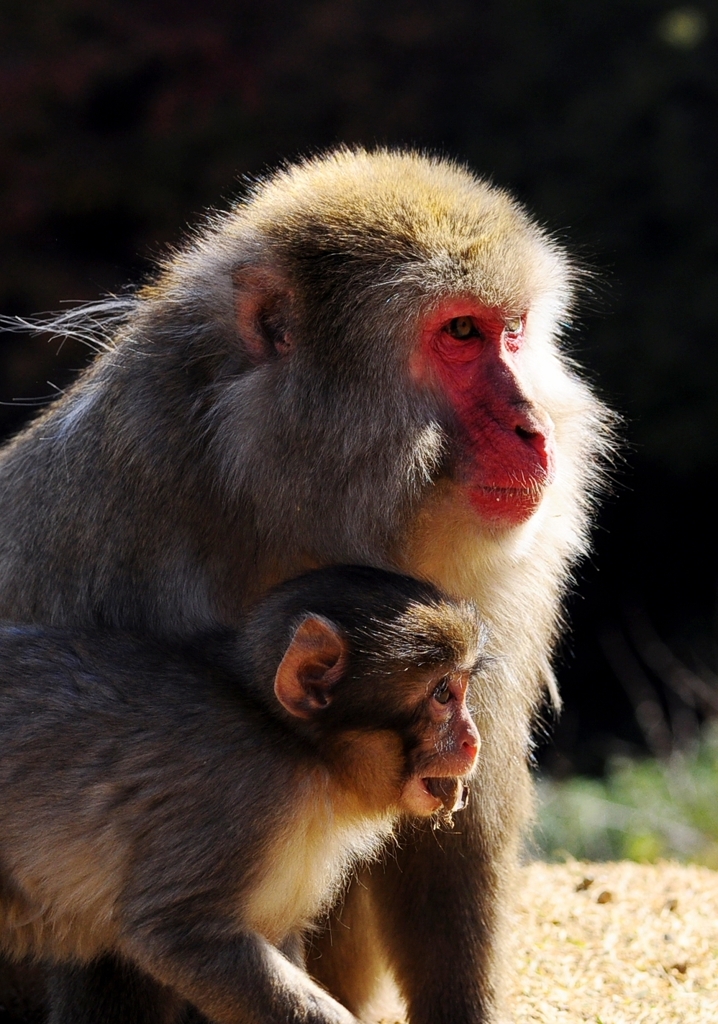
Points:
x=434, y=795
x=453, y=792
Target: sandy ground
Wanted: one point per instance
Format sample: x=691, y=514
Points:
x=615, y=943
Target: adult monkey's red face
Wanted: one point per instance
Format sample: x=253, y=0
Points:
x=406, y=319
x=505, y=438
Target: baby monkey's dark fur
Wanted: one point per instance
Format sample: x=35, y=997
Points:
x=193, y=809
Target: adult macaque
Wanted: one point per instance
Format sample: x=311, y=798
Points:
x=192, y=808
x=358, y=363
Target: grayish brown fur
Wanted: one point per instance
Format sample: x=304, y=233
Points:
x=161, y=805
x=197, y=463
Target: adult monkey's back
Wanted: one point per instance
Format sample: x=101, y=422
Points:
x=356, y=364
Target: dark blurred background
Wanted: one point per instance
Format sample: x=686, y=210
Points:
x=121, y=122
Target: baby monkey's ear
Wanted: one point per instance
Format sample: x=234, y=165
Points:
x=311, y=667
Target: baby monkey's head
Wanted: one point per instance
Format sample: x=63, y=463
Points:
x=373, y=669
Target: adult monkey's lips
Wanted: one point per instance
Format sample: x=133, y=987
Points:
x=508, y=505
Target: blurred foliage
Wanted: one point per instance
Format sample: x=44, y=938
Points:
x=120, y=123
x=643, y=810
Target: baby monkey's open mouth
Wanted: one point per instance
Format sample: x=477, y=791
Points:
x=453, y=792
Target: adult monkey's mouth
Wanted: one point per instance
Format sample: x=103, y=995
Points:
x=508, y=505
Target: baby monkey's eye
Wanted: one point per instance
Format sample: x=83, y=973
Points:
x=442, y=693
x=462, y=327
x=513, y=324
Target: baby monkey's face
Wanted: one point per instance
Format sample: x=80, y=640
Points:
x=445, y=750
x=382, y=698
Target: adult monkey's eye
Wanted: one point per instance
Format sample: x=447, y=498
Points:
x=462, y=327
x=513, y=324
x=442, y=693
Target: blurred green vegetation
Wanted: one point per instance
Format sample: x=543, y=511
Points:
x=643, y=810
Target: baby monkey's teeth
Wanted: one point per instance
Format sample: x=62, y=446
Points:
x=463, y=798
x=452, y=792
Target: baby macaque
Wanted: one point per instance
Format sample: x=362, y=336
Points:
x=194, y=809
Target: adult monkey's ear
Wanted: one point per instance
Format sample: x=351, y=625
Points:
x=311, y=667
x=263, y=312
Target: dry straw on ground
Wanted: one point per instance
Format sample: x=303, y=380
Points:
x=619, y=943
